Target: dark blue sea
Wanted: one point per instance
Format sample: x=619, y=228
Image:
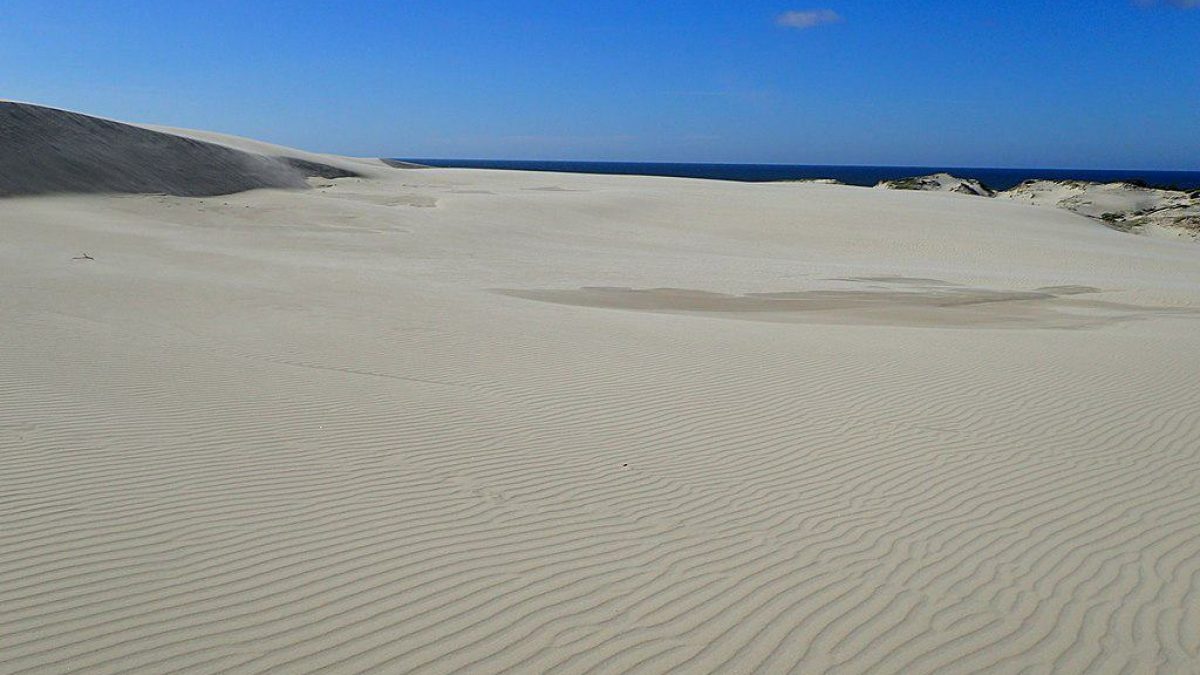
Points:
x=997, y=179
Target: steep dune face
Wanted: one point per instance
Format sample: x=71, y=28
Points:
x=44, y=150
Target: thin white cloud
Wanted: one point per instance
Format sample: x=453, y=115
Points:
x=811, y=18
x=1180, y=4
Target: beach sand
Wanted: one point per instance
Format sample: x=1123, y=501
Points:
x=483, y=421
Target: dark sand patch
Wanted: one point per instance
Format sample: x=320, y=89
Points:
x=963, y=307
x=906, y=281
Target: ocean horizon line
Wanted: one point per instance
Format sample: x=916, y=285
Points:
x=1001, y=178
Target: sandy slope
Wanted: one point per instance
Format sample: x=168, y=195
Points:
x=1172, y=214
x=1127, y=207
x=1095, y=199
x=49, y=151
x=382, y=425
x=939, y=182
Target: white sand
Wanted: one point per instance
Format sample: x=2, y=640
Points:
x=1170, y=214
x=378, y=425
x=939, y=182
x=1096, y=199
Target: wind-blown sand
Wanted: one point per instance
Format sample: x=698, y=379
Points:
x=46, y=151
x=482, y=421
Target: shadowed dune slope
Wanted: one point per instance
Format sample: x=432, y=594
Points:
x=44, y=150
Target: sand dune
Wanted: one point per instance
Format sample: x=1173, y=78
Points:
x=1128, y=207
x=480, y=421
x=45, y=150
x=939, y=182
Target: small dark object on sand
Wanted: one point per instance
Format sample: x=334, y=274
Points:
x=83, y=257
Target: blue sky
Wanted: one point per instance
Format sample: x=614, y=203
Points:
x=1078, y=84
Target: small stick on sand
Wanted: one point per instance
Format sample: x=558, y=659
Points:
x=83, y=257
